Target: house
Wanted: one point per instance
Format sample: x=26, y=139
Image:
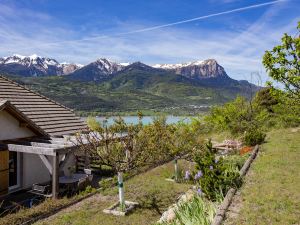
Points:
x=35, y=138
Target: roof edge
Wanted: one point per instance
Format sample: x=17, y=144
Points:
x=6, y=105
x=35, y=92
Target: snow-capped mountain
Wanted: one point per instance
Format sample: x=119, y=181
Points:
x=101, y=69
x=197, y=70
x=178, y=65
x=35, y=65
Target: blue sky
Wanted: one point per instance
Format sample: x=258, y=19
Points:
x=82, y=31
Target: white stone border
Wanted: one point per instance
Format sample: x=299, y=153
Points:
x=115, y=210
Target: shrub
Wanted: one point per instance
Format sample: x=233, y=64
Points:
x=215, y=176
x=254, y=137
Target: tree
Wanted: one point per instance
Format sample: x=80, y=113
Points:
x=283, y=64
x=184, y=142
x=265, y=99
x=115, y=146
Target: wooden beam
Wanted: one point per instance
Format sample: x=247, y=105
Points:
x=36, y=144
x=46, y=163
x=31, y=149
x=59, y=142
x=55, y=178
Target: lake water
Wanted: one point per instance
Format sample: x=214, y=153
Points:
x=146, y=119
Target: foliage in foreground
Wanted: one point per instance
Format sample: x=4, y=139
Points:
x=197, y=211
x=213, y=175
x=283, y=64
x=250, y=120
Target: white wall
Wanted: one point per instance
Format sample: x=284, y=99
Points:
x=34, y=170
x=10, y=129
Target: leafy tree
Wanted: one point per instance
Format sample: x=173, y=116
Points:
x=266, y=99
x=283, y=64
x=235, y=116
x=115, y=146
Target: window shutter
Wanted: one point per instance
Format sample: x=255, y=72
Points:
x=4, y=172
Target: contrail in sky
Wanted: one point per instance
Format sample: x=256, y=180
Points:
x=171, y=24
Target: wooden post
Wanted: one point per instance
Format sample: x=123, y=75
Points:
x=55, y=172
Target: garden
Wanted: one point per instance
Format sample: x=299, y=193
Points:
x=192, y=165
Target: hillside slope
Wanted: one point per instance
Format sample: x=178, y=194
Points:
x=136, y=89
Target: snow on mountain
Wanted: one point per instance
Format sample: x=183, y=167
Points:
x=102, y=68
x=178, y=65
x=35, y=65
x=197, y=70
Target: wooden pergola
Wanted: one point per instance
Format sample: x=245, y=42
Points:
x=46, y=149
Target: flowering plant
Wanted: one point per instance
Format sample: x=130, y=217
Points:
x=213, y=175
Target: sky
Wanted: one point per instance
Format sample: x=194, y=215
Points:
x=234, y=32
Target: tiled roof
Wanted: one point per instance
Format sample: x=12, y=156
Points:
x=51, y=117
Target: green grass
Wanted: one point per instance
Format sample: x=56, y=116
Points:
x=271, y=193
x=150, y=189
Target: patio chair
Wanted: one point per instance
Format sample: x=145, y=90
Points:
x=43, y=189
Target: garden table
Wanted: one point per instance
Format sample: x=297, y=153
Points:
x=72, y=179
x=70, y=182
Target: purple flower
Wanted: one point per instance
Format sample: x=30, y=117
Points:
x=216, y=161
x=211, y=167
x=199, y=191
x=198, y=175
x=187, y=175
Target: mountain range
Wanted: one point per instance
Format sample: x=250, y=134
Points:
x=105, y=86
x=35, y=66
x=102, y=68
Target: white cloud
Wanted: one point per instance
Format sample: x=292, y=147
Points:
x=239, y=51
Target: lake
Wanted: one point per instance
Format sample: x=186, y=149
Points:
x=146, y=119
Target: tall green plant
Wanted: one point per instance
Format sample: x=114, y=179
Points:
x=283, y=64
x=214, y=176
x=197, y=211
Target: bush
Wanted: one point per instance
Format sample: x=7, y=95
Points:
x=215, y=176
x=254, y=137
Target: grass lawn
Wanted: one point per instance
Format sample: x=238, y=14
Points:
x=271, y=192
x=150, y=189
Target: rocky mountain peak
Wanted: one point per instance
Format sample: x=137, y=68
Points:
x=197, y=69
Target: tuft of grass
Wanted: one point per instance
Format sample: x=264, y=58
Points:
x=197, y=211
